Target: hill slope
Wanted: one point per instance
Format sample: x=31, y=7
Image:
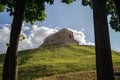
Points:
x=56, y=59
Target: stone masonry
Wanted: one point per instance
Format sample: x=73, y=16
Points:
x=63, y=36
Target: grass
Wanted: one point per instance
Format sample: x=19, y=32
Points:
x=83, y=75
x=1, y=64
x=52, y=60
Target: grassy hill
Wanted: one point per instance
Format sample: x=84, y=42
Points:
x=52, y=60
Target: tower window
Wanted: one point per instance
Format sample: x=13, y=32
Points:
x=70, y=36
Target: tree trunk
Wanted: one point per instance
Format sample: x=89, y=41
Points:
x=117, y=4
x=10, y=63
x=103, y=50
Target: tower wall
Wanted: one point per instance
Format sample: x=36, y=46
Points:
x=63, y=36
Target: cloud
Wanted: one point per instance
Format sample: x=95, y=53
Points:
x=4, y=38
x=35, y=37
x=80, y=37
x=25, y=28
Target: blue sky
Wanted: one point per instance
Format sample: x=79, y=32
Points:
x=77, y=17
x=73, y=16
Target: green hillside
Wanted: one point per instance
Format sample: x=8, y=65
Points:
x=55, y=60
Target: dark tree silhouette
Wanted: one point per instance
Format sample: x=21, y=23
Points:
x=2, y=7
x=103, y=50
x=113, y=9
x=21, y=10
x=102, y=42
x=117, y=4
x=10, y=63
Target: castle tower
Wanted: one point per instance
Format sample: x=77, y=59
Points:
x=63, y=36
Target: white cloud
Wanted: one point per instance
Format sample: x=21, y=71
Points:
x=4, y=38
x=25, y=28
x=36, y=36
x=80, y=37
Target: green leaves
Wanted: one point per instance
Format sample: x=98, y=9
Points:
x=8, y=44
x=22, y=37
x=111, y=10
x=68, y=1
x=10, y=4
x=50, y=1
x=35, y=9
x=2, y=7
x=114, y=22
x=85, y=2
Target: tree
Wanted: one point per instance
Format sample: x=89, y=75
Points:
x=103, y=50
x=2, y=7
x=10, y=63
x=113, y=10
x=117, y=4
x=116, y=18
x=21, y=10
x=102, y=42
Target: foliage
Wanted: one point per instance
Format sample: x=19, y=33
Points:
x=22, y=37
x=111, y=11
x=30, y=11
x=2, y=7
x=7, y=44
x=35, y=9
x=68, y=1
x=57, y=59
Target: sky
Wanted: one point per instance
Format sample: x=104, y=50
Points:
x=74, y=17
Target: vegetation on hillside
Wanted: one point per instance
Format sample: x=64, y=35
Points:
x=55, y=60
x=82, y=75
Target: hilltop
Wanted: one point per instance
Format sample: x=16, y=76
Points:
x=54, y=60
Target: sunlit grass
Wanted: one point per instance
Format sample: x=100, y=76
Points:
x=55, y=60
